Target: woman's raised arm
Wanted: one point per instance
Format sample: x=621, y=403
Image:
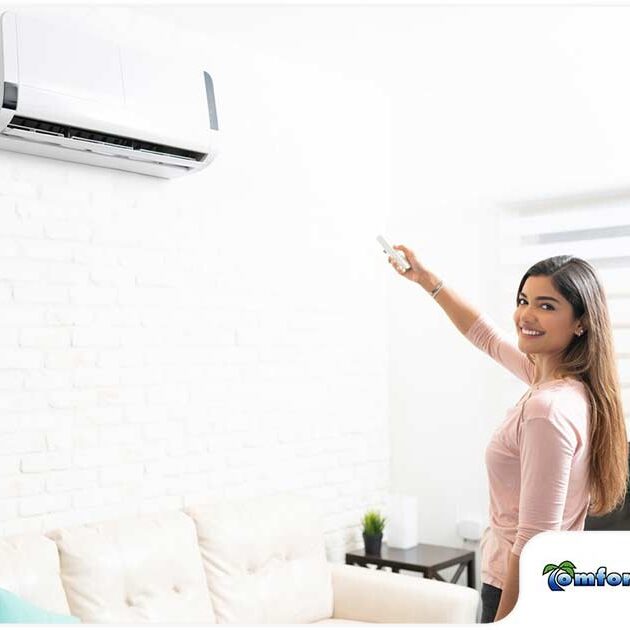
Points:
x=478, y=329
x=460, y=312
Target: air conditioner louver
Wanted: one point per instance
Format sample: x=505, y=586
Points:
x=47, y=128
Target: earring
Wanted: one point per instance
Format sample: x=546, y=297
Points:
x=579, y=333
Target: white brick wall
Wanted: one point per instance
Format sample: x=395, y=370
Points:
x=162, y=343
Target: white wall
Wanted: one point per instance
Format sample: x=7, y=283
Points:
x=217, y=335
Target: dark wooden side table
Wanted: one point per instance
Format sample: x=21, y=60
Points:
x=427, y=559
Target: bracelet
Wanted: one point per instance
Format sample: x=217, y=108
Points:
x=437, y=289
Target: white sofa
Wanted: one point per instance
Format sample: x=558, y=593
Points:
x=245, y=562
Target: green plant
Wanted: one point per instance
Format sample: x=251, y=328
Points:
x=373, y=523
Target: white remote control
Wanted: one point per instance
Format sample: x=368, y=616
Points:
x=398, y=256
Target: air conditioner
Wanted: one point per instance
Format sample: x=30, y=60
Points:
x=74, y=94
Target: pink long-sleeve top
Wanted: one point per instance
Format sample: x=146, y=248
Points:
x=537, y=458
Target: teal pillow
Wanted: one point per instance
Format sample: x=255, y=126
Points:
x=14, y=609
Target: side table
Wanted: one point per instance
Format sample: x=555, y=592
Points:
x=426, y=559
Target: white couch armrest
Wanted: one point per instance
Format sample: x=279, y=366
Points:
x=363, y=594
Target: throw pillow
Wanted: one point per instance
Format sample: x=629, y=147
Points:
x=14, y=609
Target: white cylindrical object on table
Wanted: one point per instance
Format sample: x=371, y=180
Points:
x=402, y=521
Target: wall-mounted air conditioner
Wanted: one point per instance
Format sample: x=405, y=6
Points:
x=74, y=94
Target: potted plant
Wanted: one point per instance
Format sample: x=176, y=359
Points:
x=373, y=525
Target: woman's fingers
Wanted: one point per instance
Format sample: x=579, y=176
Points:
x=405, y=250
x=409, y=255
x=397, y=267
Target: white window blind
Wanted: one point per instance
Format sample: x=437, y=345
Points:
x=595, y=229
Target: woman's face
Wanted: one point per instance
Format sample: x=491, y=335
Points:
x=541, y=309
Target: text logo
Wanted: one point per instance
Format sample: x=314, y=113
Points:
x=564, y=574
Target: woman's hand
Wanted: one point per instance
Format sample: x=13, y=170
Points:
x=417, y=273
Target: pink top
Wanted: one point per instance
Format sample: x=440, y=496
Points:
x=538, y=463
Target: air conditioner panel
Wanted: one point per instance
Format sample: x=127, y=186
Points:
x=119, y=121
x=151, y=115
x=58, y=65
x=55, y=60
x=8, y=50
x=159, y=93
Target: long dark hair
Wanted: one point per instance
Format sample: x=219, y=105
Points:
x=591, y=359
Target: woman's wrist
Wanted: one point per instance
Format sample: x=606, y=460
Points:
x=429, y=281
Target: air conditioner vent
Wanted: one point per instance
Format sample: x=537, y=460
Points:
x=49, y=128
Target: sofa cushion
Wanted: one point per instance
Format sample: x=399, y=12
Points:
x=384, y=597
x=135, y=569
x=265, y=559
x=29, y=568
x=14, y=609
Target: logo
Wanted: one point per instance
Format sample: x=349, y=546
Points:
x=564, y=574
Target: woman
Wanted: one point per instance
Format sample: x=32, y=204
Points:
x=561, y=451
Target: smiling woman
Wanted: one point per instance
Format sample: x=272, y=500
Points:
x=561, y=452
x=579, y=345
x=545, y=322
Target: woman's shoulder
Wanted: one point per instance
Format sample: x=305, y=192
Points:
x=566, y=399
x=564, y=405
